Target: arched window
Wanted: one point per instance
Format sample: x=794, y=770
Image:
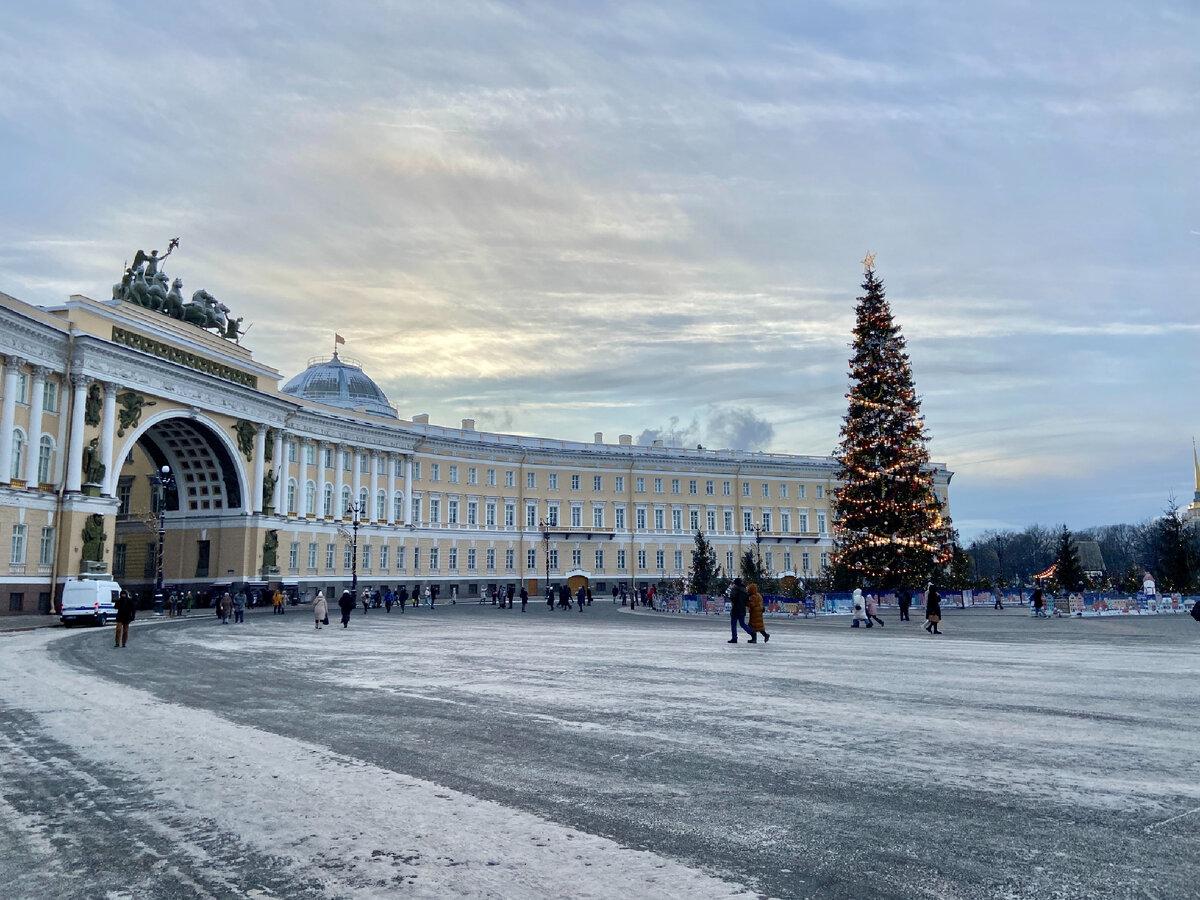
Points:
x=45, y=459
x=18, y=452
x=381, y=506
x=398, y=506
x=291, y=497
x=364, y=507
x=310, y=497
x=328, y=500
x=345, y=498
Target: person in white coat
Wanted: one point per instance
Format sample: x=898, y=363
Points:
x=320, y=609
x=859, y=611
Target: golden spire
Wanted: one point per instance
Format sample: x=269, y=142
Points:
x=1196, y=463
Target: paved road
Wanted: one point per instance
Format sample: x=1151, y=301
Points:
x=1011, y=758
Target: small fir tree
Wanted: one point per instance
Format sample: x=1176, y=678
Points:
x=1068, y=572
x=888, y=523
x=704, y=565
x=1174, y=546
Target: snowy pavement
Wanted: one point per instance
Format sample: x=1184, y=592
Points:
x=473, y=752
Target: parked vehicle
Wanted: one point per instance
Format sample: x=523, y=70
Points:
x=89, y=600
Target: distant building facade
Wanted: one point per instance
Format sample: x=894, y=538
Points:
x=97, y=397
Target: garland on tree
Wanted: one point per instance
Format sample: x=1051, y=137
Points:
x=888, y=522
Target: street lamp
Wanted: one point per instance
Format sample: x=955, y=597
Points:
x=758, y=529
x=165, y=481
x=354, y=511
x=545, y=526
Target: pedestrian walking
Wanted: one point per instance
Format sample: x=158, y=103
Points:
x=239, y=607
x=904, y=599
x=277, y=605
x=754, y=602
x=402, y=597
x=738, y=598
x=428, y=597
x=173, y=604
x=388, y=599
x=1038, y=601
x=347, y=603
x=615, y=592
x=589, y=595
x=524, y=598
x=512, y=592
x=999, y=604
x=581, y=597
x=858, y=613
x=366, y=600
x=126, y=613
x=933, y=611
x=321, y=610
x=873, y=611
x=550, y=596
x=225, y=607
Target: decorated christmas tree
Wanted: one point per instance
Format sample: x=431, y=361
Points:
x=888, y=523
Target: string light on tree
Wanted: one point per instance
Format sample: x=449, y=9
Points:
x=888, y=523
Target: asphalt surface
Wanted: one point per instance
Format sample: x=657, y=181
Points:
x=869, y=781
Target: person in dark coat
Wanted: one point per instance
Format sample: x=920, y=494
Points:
x=589, y=596
x=524, y=598
x=1039, y=604
x=347, y=604
x=904, y=600
x=550, y=596
x=933, y=611
x=126, y=612
x=388, y=599
x=402, y=598
x=581, y=597
x=738, y=598
x=564, y=597
x=615, y=592
x=512, y=592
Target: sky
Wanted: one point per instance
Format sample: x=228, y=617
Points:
x=647, y=218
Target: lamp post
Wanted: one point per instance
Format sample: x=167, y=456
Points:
x=354, y=511
x=757, y=528
x=165, y=481
x=545, y=526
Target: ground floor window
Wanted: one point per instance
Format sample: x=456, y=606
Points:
x=16, y=602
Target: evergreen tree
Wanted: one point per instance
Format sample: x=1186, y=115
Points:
x=1174, y=548
x=704, y=565
x=752, y=571
x=1068, y=571
x=888, y=524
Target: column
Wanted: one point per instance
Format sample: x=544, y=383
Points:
x=390, y=498
x=302, y=446
x=374, y=483
x=406, y=509
x=8, y=415
x=338, y=512
x=79, y=387
x=260, y=463
x=322, y=446
x=280, y=471
x=356, y=464
x=37, y=385
x=108, y=425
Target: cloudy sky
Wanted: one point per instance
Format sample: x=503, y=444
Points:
x=570, y=217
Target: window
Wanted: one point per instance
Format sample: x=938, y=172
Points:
x=472, y=475
x=787, y=560
x=711, y=519
x=708, y=488
x=659, y=519
x=553, y=481
x=291, y=497
x=434, y=560
x=597, y=516
x=597, y=483
x=310, y=455
x=766, y=521
x=510, y=514
x=802, y=522
x=745, y=489
x=783, y=490
x=416, y=470
x=490, y=558
x=327, y=501
x=693, y=486
x=383, y=557
x=50, y=397
x=398, y=507
x=770, y=561
x=509, y=478
x=728, y=561
x=454, y=474
x=364, y=463
x=552, y=515
x=46, y=551
x=23, y=387
x=729, y=520
x=675, y=486
x=18, y=448
x=472, y=512
x=345, y=498
x=576, y=516
x=435, y=512
x=381, y=464
x=660, y=560
x=619, y=515
x=553, y=557
x=658, y=488
x=641, y=517
x=310, y=497
x=471, y=558
x=416, y=511
x=435, y=473
x=451, y=512
x=820, y=492
x=294, y=555
x=694, y=520
x=489, y=514
x=531, y=480
x=804, y=561
x=452, y=558
x=766, y=489
x=678, y=560
x=801, y=491
x=510, y=559
x=531, y=515
x=347, y=556
x=16, y=599
x=677, y=519
x=820, y=523
x=124, y=494
x=577, y=558
x=785, y=523
x=381, y=506
x=641, y=560
x=574, y=482
x=747, y=520
x=330, y=550
x=119, y=551
x=291, y=451
x=45, y=459
x=727, y=488
x=363, y=506
x=312, y=555
x=639, y=485
x=619, y=484
x=531, y=560
x=400, y=557
x=327, y=458
x=824, y=561
x=416, y=559
x=491, y=477
x=599, y=560
x=621, y=560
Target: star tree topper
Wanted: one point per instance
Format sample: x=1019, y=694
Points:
x=868, y=262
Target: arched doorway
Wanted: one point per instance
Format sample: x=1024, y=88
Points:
x=578, y=578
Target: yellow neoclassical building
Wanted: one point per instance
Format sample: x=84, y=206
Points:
x=114, y=412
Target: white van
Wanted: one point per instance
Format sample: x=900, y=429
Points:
x=90, y=600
